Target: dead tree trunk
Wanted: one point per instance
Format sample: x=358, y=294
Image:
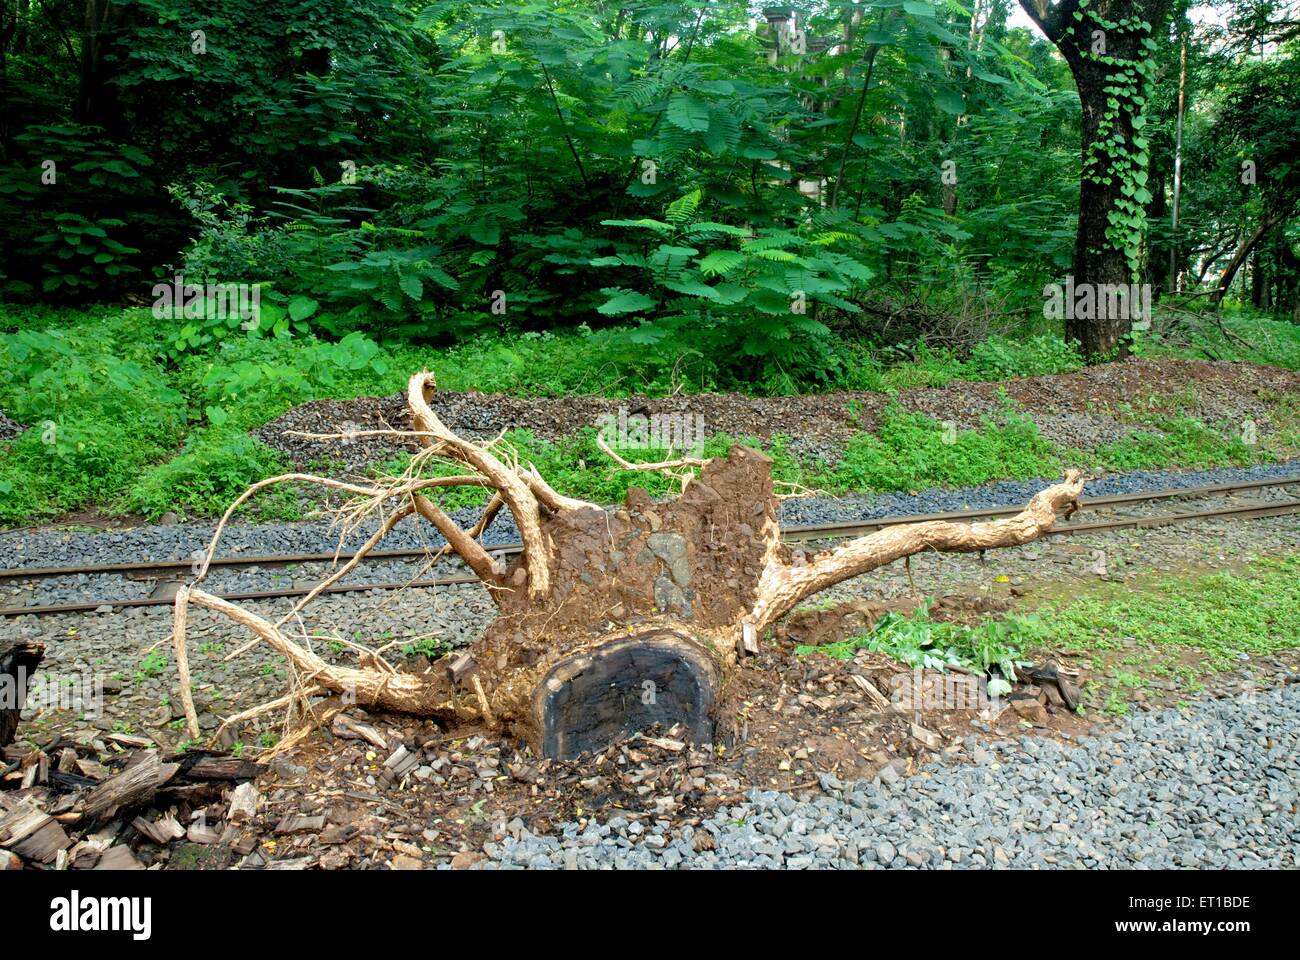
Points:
x=18, y=661
x=608, y=621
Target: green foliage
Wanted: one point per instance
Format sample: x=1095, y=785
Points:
x=253, y=380
x=152, y=665
x=1001, y=358
x=96, y=413
x=1180, y=628
x=918, y=641
x=1178, y=441
x=910, y=452
x=212, y=469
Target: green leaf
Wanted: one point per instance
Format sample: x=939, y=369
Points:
x=624, y=301
x=688, y=113
x=486, y=232
x=410, y=285
x=721, y=262
x=950, y=102
x=300, y=308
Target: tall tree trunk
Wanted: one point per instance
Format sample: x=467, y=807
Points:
x=1266, y=223
x=1112, y=191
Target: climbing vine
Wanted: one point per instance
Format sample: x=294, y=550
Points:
x=1114, y=156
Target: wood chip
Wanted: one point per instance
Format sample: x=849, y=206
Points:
x=349, y=729
x=202, y=832
x=129, y=741
x=43, y=845
x=245, y=800
x=870, y=689
x=928, y=737
x=118, y=858
x=298, y=824
x=162, y=831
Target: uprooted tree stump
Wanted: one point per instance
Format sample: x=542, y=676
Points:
x=608, y=621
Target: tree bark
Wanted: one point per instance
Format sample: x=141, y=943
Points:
x=1100, y=257
x=18, y=661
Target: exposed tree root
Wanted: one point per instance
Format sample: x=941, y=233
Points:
x=607, y=619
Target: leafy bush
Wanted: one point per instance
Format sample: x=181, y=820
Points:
x=918, y=641
x=214, y=467
x=73, y=245
x=1000, y=358
x=95, y=419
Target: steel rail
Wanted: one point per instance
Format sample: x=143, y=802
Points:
x=792, y=532
x=813, y=532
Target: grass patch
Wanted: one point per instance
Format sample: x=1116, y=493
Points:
x=1179, y=441
x=118, y=423
x=215, y=466
x=1177, y=628
x=1182, y=628
x=910, y=451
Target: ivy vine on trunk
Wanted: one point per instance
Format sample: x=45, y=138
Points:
x=1109, y=46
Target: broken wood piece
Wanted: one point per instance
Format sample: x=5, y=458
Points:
x=748, y=640
x=928, y=737
x=130, y=741
x=162, y=831
x=460, y=667
x=401, y=762
x=1050, y=672
x=221, y=768
x=244, y=803
x=202, y=832
x=67, y=760
x=349, y=729
x=134, y=785
x=92, y=769
x=32, y=834
x=118, y=858
x=295, y=823
x=873, y=693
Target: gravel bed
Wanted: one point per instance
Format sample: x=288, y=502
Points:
x=175, y=542
x=25, y=547
x=1210, y=788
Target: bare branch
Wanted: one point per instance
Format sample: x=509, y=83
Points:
x=517, y=494
x=782, y=585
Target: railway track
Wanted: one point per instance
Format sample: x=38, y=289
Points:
x=165, y=570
